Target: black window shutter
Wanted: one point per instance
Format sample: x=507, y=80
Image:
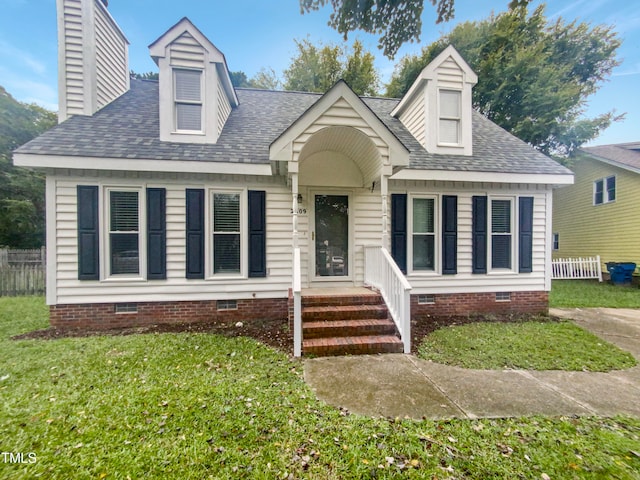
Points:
x=449, y=234
x=195, y=233
x=399, y=230
x=525, y=234
x=479, y=234
x=257, y=234
x=156, y=233
x=88, y=233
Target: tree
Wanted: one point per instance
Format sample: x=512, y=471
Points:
x=397, y=21
x=145, y=76
x=313, y=69
x=22, y=208
x=266, y=79
x=317, y=69
x=239, y=79
x=359, y=71
x=534, y=77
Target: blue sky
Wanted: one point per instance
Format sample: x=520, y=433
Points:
x=259, y=33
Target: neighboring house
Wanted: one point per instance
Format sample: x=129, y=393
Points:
x=187, y=199
x=600, y=213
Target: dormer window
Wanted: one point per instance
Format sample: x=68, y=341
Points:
x=449, y=116
x=188, y=100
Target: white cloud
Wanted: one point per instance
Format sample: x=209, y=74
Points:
x=21, y=57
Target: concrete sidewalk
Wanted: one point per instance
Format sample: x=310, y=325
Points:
x=396, y=385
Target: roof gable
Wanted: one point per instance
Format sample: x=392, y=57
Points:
x=622, y=155
x=280, y=148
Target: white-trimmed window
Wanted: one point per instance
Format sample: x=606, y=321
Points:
x=423, y=234
x=604, y=190
x=502, y=238
x=226, y=228
x=124, y=232
x=188, y=100
x=449, y=117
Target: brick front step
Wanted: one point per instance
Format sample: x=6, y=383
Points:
x=348, y=328
x=343, y=312
x=359, y=345
x=335, y=300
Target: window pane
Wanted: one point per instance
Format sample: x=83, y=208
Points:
x=449, y=131
x=188, y=85
x=188, y=116
x=500, y=216
x=124, y=211
x=226, y=212
x=124, y=253
x=611, y=189
x=598, y=195
x=226, y=253
x=423, y=209
x=423, y=252
x=501, y=251
x=449, y=104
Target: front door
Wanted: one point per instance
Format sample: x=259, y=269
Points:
x=331, y=236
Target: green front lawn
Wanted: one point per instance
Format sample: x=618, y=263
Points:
x=591, y=294
x=198, y=406
x=529, y=345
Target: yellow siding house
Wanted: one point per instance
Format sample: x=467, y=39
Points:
x=600, y=213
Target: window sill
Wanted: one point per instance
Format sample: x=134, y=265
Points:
x=226, y=278
x=423, y=274
x=188, y=132
x=124, y=278
x=502, y=271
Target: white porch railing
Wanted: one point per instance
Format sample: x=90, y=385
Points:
x=381, y=272
x=576, y=268
x=297, y=304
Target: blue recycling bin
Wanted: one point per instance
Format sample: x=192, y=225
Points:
x=621, y=272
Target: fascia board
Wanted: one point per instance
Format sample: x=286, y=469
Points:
x=138, y=165
x=483, y=177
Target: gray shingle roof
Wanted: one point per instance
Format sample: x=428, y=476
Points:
x=129, y=128
x=623, y=154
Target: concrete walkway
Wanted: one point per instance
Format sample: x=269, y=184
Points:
x=396, y=385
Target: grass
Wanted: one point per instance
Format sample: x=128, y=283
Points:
x=199, y=406
x=591, y=294
x=527, y=345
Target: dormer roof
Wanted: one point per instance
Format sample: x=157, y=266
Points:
x=159, y=49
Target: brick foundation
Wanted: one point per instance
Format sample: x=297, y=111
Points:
x=103, y=315
x=480, y=303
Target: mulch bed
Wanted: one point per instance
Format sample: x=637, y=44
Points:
x=274, y=333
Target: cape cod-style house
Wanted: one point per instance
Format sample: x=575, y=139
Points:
x=186, y=199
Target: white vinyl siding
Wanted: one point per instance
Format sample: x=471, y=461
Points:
x=125, y=289
x=465, y=281
x=188, y=100
x=414, y=117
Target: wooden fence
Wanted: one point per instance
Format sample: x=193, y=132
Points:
x=576, y=268
x=22, y=272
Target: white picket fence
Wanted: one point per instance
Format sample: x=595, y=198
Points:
x=576, y=268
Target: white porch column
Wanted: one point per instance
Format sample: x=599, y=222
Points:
x=294, y=194
x=387, y=170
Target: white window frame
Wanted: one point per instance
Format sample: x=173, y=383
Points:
x=437, y=236
x=457, y=118
x=243, y=235
x=606, y=193
x=513, y=233
x=105, y=239
x=176, y=102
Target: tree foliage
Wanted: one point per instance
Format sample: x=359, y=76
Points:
x=22, y=208
x=396, y=21
x=318, y=68
x=534, y=76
